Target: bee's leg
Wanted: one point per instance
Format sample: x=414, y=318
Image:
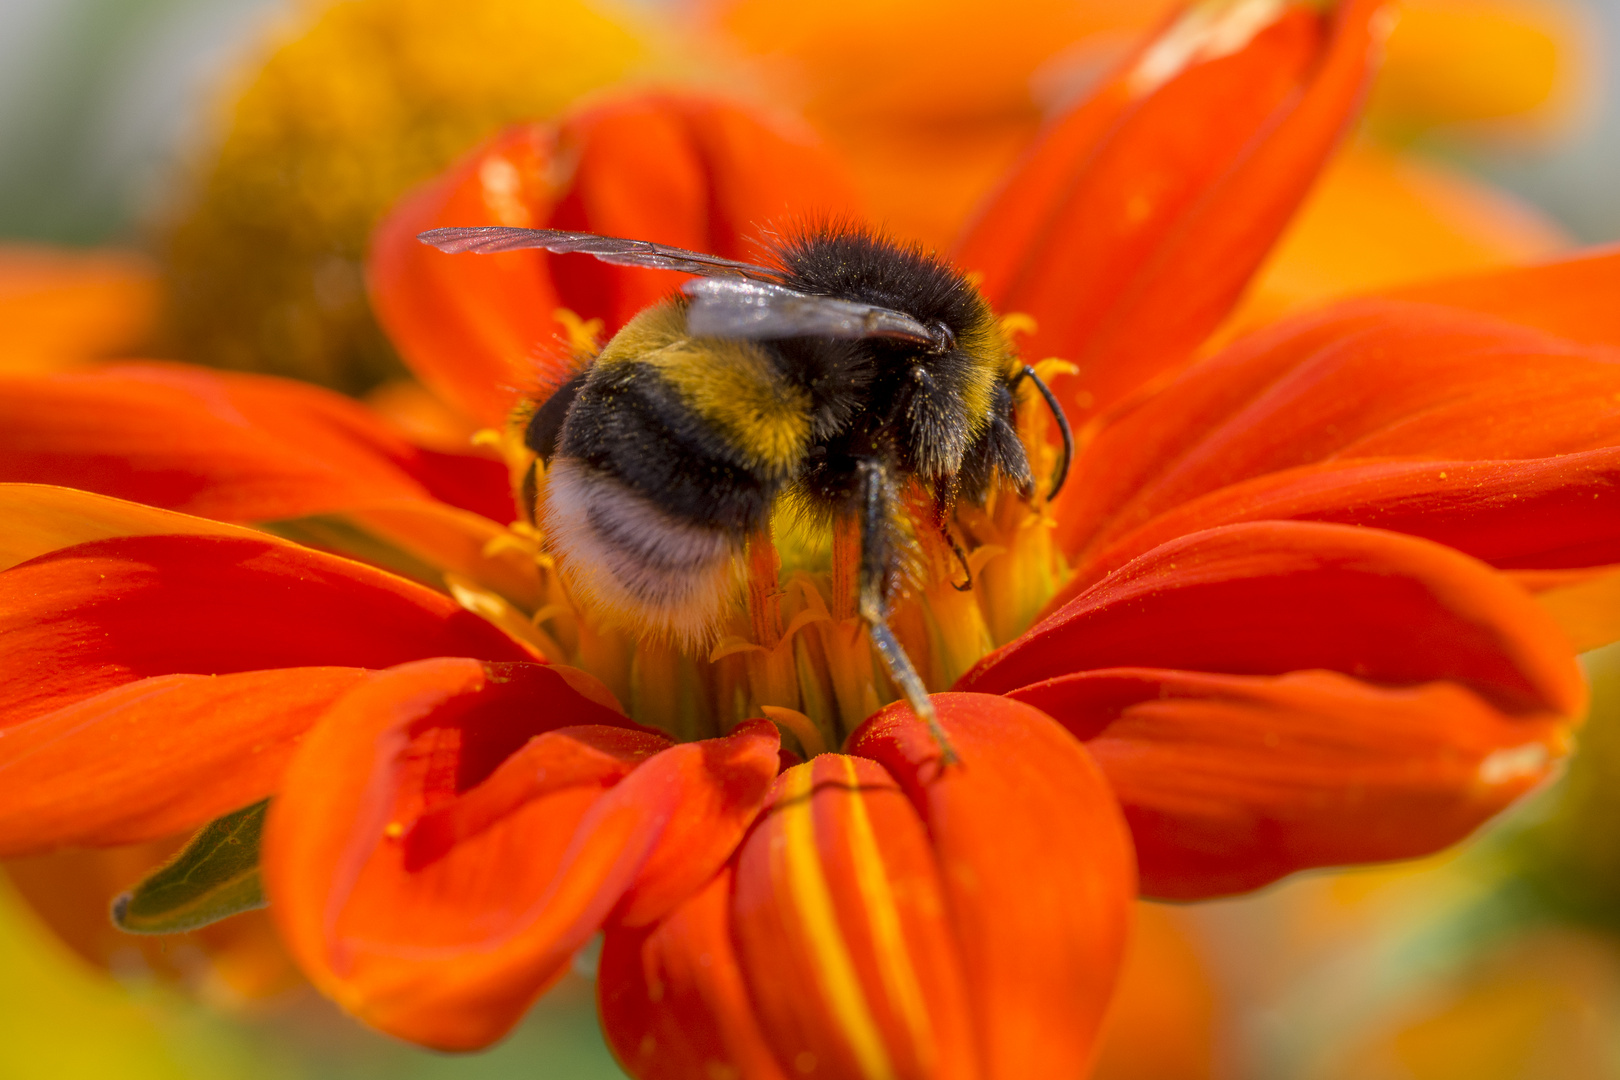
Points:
x=530, y=493
x=961, y=557
x=1062, y=423
x=877, y=568
x=545, y=426
x=944, y=498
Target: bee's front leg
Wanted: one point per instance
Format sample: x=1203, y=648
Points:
x=878, y=558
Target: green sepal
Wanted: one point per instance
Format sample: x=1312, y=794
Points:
x=214, y=876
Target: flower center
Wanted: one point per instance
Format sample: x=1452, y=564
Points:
x=793, y=647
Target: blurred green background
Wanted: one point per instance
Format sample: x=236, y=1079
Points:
x=95, y=98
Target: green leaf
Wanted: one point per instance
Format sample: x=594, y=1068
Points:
x=214, y=876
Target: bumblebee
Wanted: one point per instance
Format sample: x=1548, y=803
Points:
x=850, y=370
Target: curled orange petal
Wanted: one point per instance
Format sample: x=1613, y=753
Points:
x=675, y=168
x=470, y=328
x=696, y=172
x=451, y=833
x=1133, y=225
x=37, y=519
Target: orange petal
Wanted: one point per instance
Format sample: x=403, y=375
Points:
x=36, y=519
x=1266, y=598
x=469, y=328
x=695, y=172
x=926, y=149
x=1230, y=782
x=86, y=619
x=1586, y=608
x=1372, y=379
x=1542, y=512
x=156, y=756
x=1379, y=220
x=703, y=827
x=1573, y=297
x=40, y=518
x=450, y=540
x=900, y=919
x=844, y=932
x=392, y=888
x=891, y=67
x=673, y=999
x=1036, y=870
x=677, y=169
x=1472, y=62
x=1133, y=226
x=60, y=306
x=451, y=833
x=229, y=446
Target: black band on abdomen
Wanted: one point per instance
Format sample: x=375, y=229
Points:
x=628, y=423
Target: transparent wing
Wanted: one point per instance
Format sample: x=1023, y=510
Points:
x=486, y=240
x=734, y=308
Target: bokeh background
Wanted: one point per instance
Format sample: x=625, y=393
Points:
x=152, y=137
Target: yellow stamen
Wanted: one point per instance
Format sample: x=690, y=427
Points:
x=800, y=726
x=499, y=611
x=765, y=591
x=1018, y=322
x=583, y=334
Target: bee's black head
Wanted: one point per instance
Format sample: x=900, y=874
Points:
x=856, y=263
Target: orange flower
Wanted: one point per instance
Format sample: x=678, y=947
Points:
x=925, y=149
x=1282, y=618
x=59, y=308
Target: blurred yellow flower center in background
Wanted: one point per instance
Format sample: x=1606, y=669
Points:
x=365, y=99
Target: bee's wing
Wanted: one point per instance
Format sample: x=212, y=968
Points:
x=735, y=308
x=486, y=240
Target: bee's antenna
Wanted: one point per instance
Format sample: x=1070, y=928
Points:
x=1062, y=423
x=874, y=607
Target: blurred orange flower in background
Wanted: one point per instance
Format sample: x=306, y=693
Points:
x=60, y=308
x=1283, y=618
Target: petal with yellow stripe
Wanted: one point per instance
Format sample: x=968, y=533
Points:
x=842, y=927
